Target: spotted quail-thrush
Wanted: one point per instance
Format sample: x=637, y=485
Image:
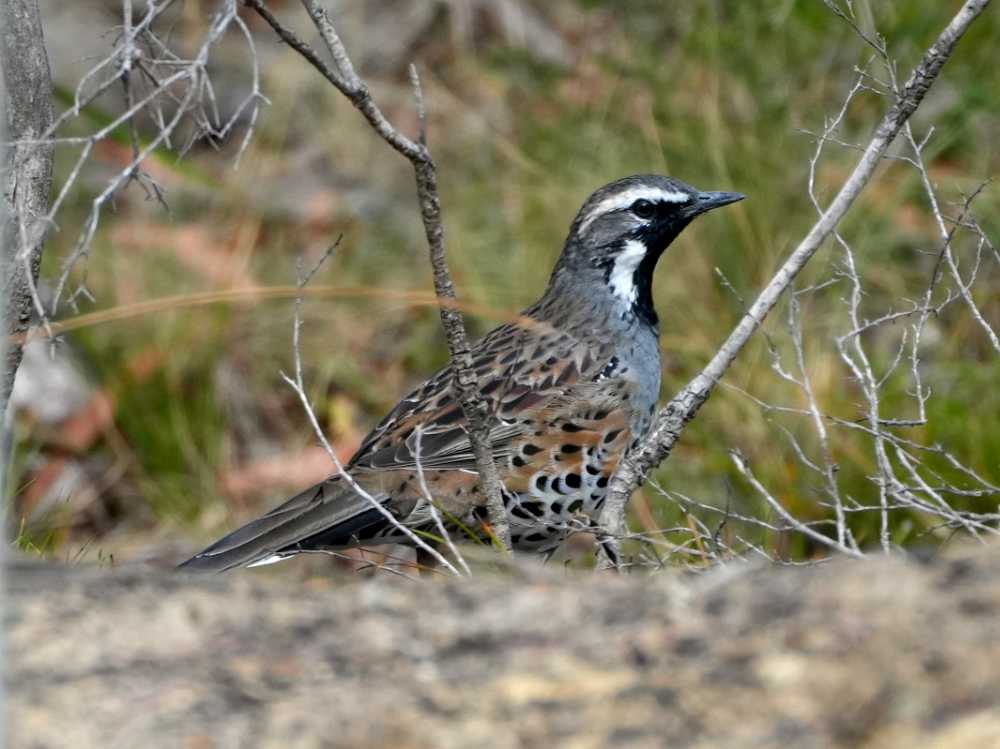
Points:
x=572, y=385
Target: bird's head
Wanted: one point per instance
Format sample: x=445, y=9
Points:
x=622, y=230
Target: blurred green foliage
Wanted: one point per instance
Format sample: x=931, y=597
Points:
x=717, y=93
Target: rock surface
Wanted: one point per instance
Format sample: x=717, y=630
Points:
x=886, y=653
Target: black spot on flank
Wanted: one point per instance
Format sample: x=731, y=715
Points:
x=612, y=435
x=571, y=427
x=535, y=508
x=517, y=461
x=531, y=449
x=570, y=449
x=602, y=481
x=541, y=483
x=592, y=469
x=518, y=512
x=600, y=502
x=600, y=415
x=574, y=506
x=556, y=508
x=573, y=480
x=536, y=537
x=515, y=539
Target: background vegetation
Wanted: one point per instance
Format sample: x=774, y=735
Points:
x=185, y=428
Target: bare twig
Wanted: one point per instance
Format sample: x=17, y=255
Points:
x=672, y=419
x=344, y=78
x=153, y=78
x=298, y=386
x=905, y=480
x=793, y=523
x=432, y=505
x=947, y=235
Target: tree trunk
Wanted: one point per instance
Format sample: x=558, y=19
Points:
x=26, y=172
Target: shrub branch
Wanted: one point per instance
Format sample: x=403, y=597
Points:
x=345, y=79
x=682, y=408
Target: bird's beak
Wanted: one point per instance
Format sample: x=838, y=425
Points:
x=709, y=200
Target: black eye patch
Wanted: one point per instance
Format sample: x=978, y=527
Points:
x=643, y=208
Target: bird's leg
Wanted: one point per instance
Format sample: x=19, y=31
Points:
x=603, y=542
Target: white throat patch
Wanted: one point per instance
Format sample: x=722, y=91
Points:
x=622, y=277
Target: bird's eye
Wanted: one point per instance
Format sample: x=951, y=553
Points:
x=643, y=208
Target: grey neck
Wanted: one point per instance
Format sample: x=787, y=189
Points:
x=579, y=297
x=583, y=305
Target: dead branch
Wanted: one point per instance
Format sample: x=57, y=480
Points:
x=344, y=78
x=672, y=419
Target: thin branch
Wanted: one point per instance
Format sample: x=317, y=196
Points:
x=947, y=235
x=793, y=523
x=672, y=419
x=465, y=382
x=298, y=386
x=153, y=76
x=431, y=505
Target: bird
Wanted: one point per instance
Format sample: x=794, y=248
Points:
x=572, y=383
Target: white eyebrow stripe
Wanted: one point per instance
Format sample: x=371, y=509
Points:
x=627, y=198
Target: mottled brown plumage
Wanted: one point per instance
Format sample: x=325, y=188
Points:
x=571, y=385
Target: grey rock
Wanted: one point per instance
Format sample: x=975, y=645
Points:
x=882, y=653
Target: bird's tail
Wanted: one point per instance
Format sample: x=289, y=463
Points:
x=326, y=516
